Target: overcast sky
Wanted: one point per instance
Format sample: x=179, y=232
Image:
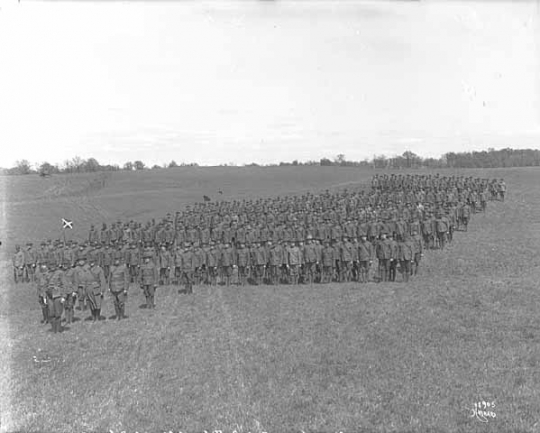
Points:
x=242, y=81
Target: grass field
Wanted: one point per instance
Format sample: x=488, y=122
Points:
x=378, y=357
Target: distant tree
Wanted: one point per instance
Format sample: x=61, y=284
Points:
x=128, y=166
x=173, y=164
x=340, y=159
x=91, y=165
x=139, y=165
x=46, y=169
x=154, y=167
x=78, y=164
x=326, y=162
x=23, y=167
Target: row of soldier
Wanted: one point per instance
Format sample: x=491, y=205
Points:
x=307, y=239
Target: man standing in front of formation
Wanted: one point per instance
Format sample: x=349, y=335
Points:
x=118, y=286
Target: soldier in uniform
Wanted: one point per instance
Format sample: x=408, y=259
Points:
x=30, y=260
x=384, y=254
x=365, y=259
x=165, y=263
x=96, y=289
x=56, y=296
x=243, y=262
x=406, y=257
x=18, y=264
x=70, y=293
x=295, y=262
x=149, y=280
x=118, y=286
x=418, y=250
x=42, y=283
x=228, y=260
x=328, y=261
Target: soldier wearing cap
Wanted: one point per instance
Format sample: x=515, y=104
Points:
x=310, y=260
x=418, y=251
x=365, y=258
x=165, y=263
x=42, y=282
x=406, y=256
x=212, y=263
x=243, y=262
x=274, y=261
x=328, y=261
x=383, y=251
x=70, y=293
x=18, y=264
x=96, y=289
x=227, y=262
x=56, y=288
x=30, y=260
x=118, y=287
x=149, y=277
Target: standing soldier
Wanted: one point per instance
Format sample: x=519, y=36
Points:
x=212, y=263
x=328, y=261
x=96, y=289
x=406, y=257
x=30, y=260
x=274, y=261
x=70, y=293
x=384, y=254
x=55, y=296
x=106, y=261
x=118, y=286
x=149, y=280
x=133, y=261
x=18, y=264
x=418, y=250
x=189, y=267
x=259, y=260
x=346, y=260
x=295, y=262
x=42, y=282
x=243, y=262
x=365, y=259
x=394, y=258
x=442, y=230
x=310, y=260
x=165, y=263
x=227, y=263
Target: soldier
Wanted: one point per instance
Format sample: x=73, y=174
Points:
x=346, y=260
x=274, y=262
x=394, y=259
x=406, y=257
x=118, y=286
x=149, y=277
x=243, y=263
x=133, y=260
x=310, y=260
x=384, y=254
x=189, y=267
x=418, y=250
x=30, y=260
x=18, y=264
x=228, y=261
x=165, y=263
x=365, y=259
x=70, y=293
x=328, y=261
x=212, y=263
x=96, y=290
x=295, y=260
x=442, y=230
x=55, y=296
x=42, y=282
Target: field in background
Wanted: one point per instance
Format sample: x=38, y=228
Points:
x=375, y=357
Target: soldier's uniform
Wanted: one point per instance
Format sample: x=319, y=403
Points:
x=365, y=258
x=118, y=286
x=406, y=257
x=56, y=288
x=149, y=280
x=328, y=261
x=42, y=282
x=18, y=265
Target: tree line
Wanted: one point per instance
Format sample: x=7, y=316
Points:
x=478, y=159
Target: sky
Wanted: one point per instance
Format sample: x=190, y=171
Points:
x=246, y=81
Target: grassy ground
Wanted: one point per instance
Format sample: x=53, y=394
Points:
x=376, y=357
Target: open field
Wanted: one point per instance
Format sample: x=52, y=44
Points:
x=376, y=357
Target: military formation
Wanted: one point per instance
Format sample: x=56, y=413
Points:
x=361, y=235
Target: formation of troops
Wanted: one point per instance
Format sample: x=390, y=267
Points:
x=357, y=235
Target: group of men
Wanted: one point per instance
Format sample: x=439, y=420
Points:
x=306, y=239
